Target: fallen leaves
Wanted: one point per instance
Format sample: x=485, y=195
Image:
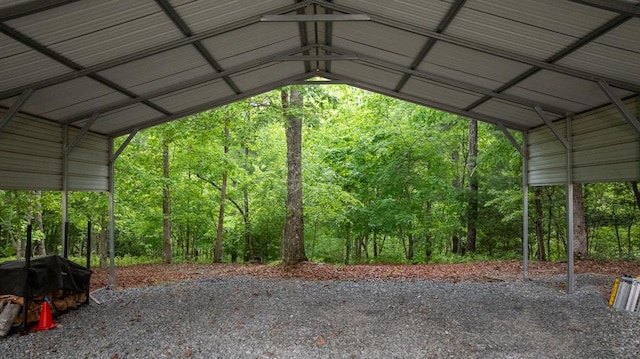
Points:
x=154, y=274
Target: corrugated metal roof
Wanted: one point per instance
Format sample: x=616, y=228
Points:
x=137, y=64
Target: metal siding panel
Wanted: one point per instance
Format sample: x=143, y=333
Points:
x=205, y=15
x=444, y=94
x=368, y=74
x=606, y=147
x=13, y=180
x=267, y=74
x=89, y=32
x=537, y=28
x=71, y=97
x=194, y=96
x=161, y=70
x=547, y=162
x=252, y=42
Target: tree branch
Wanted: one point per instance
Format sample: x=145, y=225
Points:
x=220, y=189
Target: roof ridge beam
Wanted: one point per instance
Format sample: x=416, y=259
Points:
x=15, y=108
x=569, y=71
x=444, y=23
x=184, y=85
x=452, y=82
x=173, y=15
x=144, y=53
x=617, y=102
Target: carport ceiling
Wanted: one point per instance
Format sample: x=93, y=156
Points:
x=113, y=67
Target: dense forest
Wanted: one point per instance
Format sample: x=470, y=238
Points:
x=383, y=181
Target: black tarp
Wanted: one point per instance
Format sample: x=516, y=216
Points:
x=46, y=274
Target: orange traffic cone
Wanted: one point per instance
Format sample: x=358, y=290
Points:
x=46, y=321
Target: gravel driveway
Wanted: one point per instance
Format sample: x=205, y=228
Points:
x=244, y=317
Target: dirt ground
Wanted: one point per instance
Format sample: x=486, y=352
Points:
x=154, y=274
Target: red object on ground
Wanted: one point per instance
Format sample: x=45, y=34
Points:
x=46, y=320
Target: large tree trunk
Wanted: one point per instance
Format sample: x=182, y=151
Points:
x=217, y=252
x=539, y=214
x=580, y=248
x=636, y=193
x=472, y=214
x=40, y=248
x=166, y=207
x=293, y=242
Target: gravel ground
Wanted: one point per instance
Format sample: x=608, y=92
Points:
x=244, y=317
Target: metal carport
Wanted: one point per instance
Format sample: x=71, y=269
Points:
x=75, y=74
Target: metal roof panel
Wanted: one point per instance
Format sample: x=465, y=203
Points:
x=423, y=13
x=193, y=96
x=70, y=97
x=536, y=28
x=20, y=64
x=266, y=74
x=204, y=15
x=154, y=72
x=369, y=74
x=123, y=118
x=444, y=94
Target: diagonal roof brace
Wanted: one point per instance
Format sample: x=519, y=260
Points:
x=552, y=127
x=83, y=132
x=15, y=108
x=633, y=121
x=510, y=137
x=628, y=7
x=124, y=144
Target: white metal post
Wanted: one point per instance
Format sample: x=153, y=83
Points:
x=65, y=193
x=112, y=227
x=525, y=208
x=570, y=209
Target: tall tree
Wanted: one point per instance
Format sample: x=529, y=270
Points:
x=580, y=249
x=166, y=205
x=293, y=241
x=217, y=252
x=472, y=209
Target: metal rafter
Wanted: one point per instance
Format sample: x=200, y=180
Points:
x=212, y=104
x=603, y=29
x=90, y=70
x=76, y=140
x=569, y=71
x=31, y=43
x=183, y=85
x=421, y=101
x=186, y=31
x=452, y=82
x=304, y=37
x=621, y=7
x=449, y=16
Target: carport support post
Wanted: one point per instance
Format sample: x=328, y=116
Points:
x=112, y=246
x=65, y=193
x=570, y=275
x=525, y=207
